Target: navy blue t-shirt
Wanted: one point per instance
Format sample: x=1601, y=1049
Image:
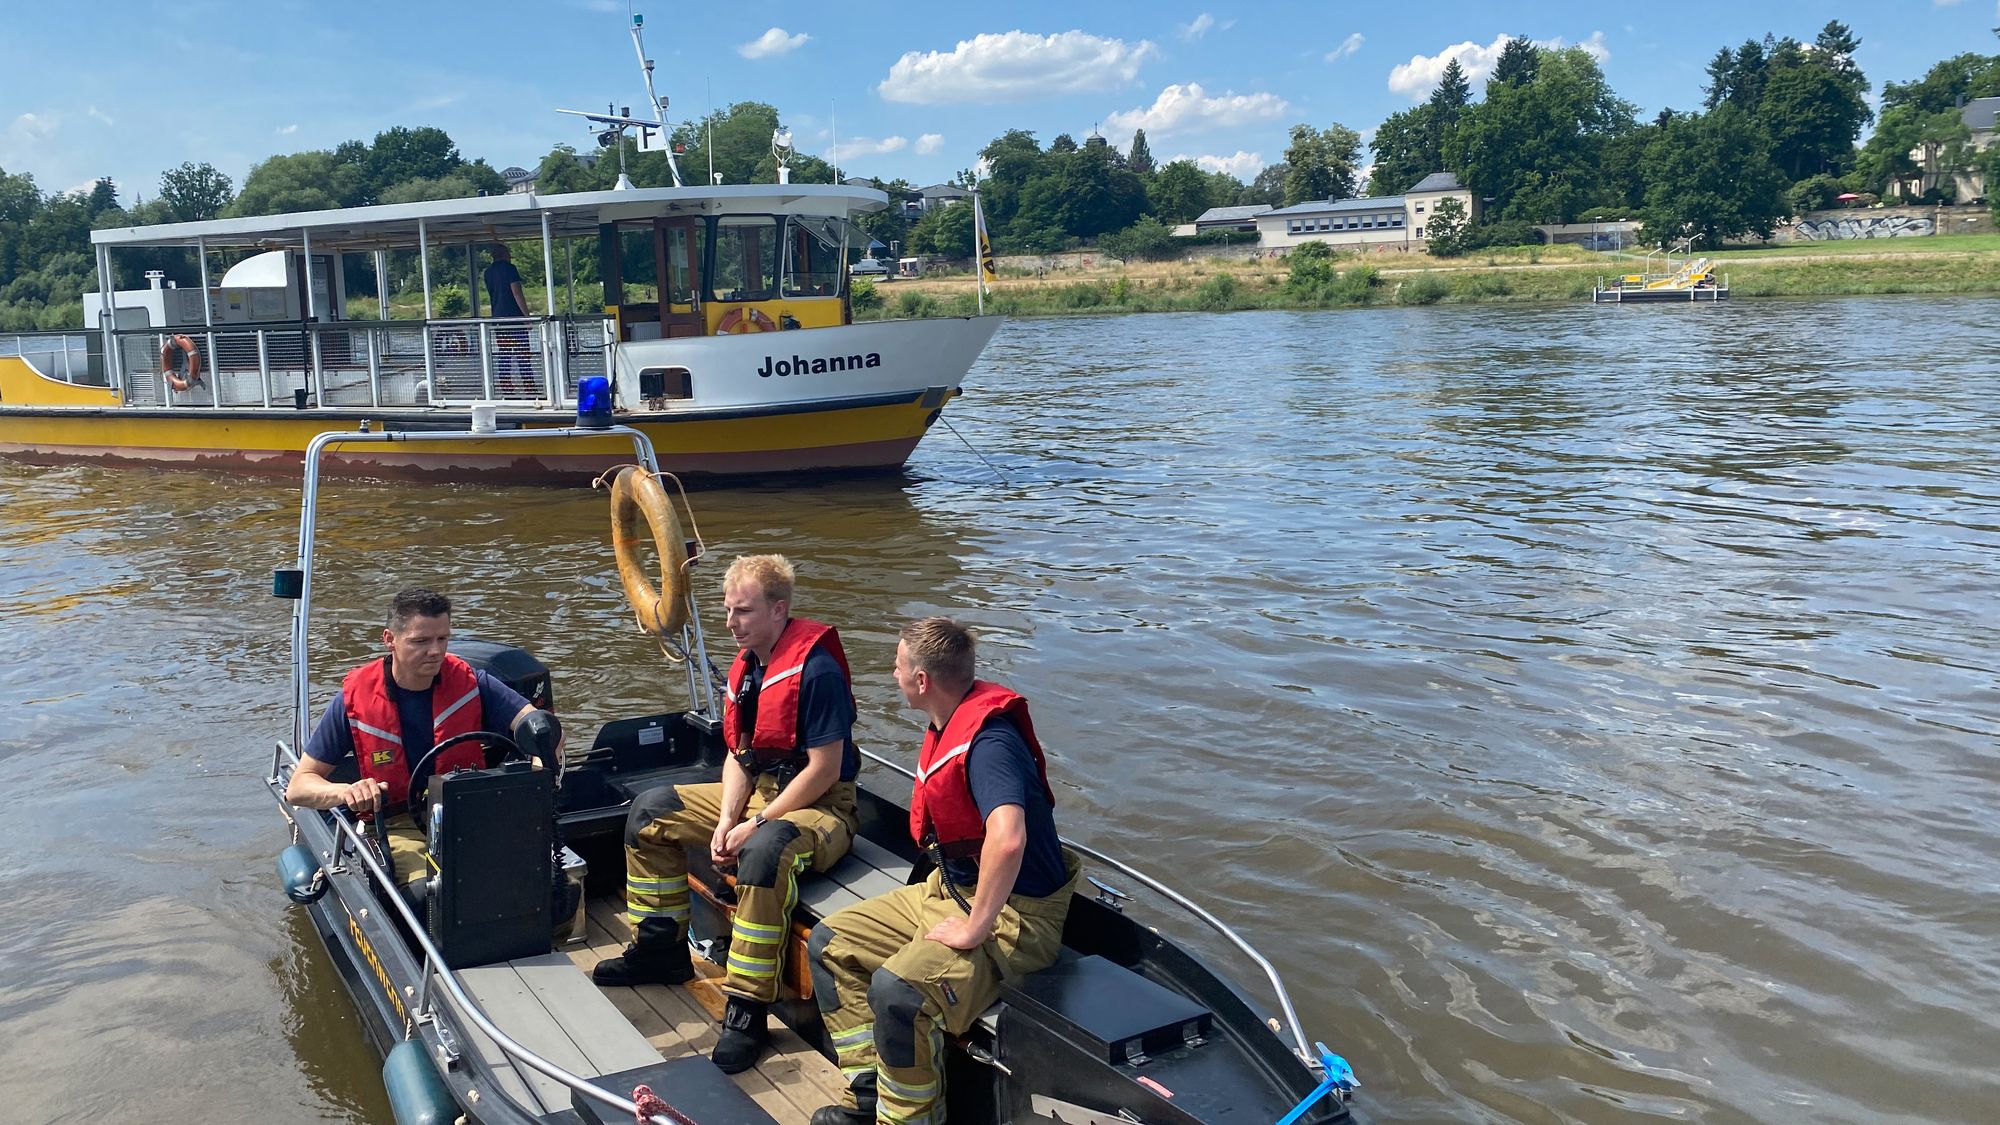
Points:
x=826, y=708
x=332, y=741
x=1001, y=770
x=500, y=279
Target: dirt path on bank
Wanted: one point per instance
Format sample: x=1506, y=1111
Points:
x=1607, y=264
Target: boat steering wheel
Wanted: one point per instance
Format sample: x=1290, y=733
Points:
x=499, y=748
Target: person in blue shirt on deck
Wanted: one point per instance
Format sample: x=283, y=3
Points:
x=513, y=369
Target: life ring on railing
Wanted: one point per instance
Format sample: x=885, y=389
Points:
x=168, y=368
x=637, y=493
x=746, y=320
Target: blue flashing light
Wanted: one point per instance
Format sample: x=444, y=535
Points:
x=593, y=403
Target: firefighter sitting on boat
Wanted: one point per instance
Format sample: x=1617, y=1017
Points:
x=894, y=974
x=419, y=686
x=786, y=804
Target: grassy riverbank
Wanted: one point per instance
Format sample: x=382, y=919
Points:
x=1941, y=264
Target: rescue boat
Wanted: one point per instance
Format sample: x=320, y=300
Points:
x=479, y=996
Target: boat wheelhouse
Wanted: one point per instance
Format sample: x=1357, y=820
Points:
x=724, y=327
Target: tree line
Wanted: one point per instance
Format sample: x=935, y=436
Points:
x=1547, y=140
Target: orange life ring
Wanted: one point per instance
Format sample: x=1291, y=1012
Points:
x=637, y=495
x=746, y=320
x=167, y=372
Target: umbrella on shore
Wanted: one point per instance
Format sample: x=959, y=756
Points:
x=1845, y=196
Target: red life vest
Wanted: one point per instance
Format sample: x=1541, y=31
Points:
x=378, y=735
x=941, y=801
x=775, y=741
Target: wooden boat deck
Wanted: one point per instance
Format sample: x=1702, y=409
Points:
x=789, y=1082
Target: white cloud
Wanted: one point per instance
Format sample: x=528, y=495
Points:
x=1015, y=66
x=929, y=143
x=1197, y=27
x=1421, y=74
x=772, y=42
x=1945, y=3
x=1244, y=165
x=866, y=146
x=34, y=126
x=96, y=114
x=287, y=130
x=1347, y=47
x=1189, y=109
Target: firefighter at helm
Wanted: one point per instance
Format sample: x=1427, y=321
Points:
x=893, y=974
x=419, y=686
x=785, y=805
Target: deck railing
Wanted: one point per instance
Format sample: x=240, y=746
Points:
x=68, y=357
x=387, y=363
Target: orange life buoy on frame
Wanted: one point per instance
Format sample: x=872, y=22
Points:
x=167, y=367
x=746, y=320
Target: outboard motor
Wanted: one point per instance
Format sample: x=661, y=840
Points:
x=515, y=667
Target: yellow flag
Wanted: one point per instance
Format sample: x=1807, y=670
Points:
x=987, y=274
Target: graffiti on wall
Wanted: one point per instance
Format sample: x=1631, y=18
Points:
x=1888, y=226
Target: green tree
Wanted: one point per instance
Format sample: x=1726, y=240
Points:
x=19, y=200
x=300, y=181
x=739, y=137
x=1444, y=235
x=1938, y=139
x=1180, y=192
x=1146, y=240
x=1406, y=150
x=194, y=192
x=944, y=230
x=1711, y=177
x=1813, y=111
x=1141, y=158
x=401, y=154
x=1268, y=185
x=1520, y=60
x=1537, y=147
x=1012, y=160
x=1321, y=165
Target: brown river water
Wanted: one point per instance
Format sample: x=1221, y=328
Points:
x=1589, y=710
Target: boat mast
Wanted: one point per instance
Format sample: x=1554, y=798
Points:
x=658, y=103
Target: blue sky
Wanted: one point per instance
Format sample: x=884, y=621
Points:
x=128, y=89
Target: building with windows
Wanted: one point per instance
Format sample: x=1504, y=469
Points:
x=1230, y=218
x=1387, y=221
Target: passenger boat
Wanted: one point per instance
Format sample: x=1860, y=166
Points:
x=483, y=1007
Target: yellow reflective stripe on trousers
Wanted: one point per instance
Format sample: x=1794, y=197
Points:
x=756, y=931
x=884, y=1113
x=752, y=966
x=656, y=886
x=854, y=1037
x=889, y=1086
x=634, y=912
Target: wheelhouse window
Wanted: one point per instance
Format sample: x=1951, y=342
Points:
x=746, y=258
x=813, y=253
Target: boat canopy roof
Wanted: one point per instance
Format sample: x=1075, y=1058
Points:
x=498, y=217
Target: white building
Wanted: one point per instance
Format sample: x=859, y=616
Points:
x=1397, y=221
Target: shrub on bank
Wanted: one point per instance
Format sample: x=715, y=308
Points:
x=1423, y=289
x=1217, y=294
x=865, y=296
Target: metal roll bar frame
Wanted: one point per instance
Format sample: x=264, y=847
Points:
x=1309, y=1056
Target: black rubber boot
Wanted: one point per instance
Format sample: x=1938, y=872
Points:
x=657, y=955
x=746, y=1031
x=864, y=1098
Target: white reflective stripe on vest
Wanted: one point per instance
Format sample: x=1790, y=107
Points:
x=447, y=712
x=923, y=775
x=784, y=675
x=384, y=735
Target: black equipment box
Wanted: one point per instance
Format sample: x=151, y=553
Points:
x=691, y=1085
x=1124, y=1015
x=491, y=843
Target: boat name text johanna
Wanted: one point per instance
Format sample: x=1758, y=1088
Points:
x=817, y=365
